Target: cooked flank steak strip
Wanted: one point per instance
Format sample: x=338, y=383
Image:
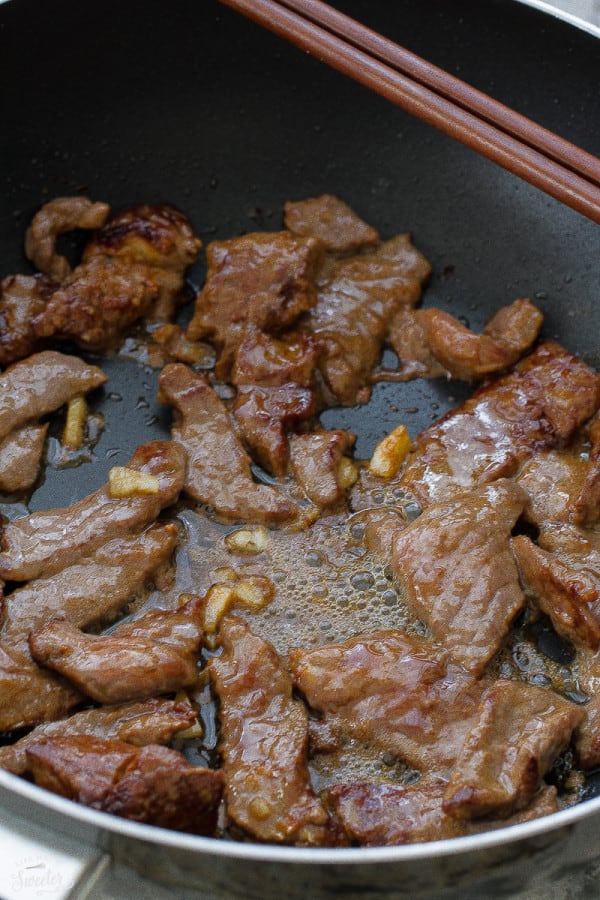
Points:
x=431, y=343
x=29, y=694
x=386, y=815
x=149, y=784
x=157, y=653
x=393, y=690
x=41, y=384
x=317, y=461
x=264, y=743
x=521, y=730
x=218, y=472
x=43, y=543
x=154, y=721
x=262, y=281
x=21, y=457
x=92, y=591
x=538, y=405
x=456, y=566
x=357, y=297
x=331, y=221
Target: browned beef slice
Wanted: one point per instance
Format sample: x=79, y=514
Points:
x=262, y=281
x=431, y=342
x=42, y=383
x=265, y=415
x=316, y=458
x=158, y=237
x=471, y=356
x=460, y=578
x=22, y=299
x=394, y=690
x=264, y=360
x=21, y=457
x=55, y=218
x=553, y=480
x=143, y=722
x=376, y=815
x=91, y=591
x=264, y=739
x=539, y=404
x=154, y=654
x=218, y=471
x=97, y=303
x=28, y=694
x=521, y=731
x=150, y=784
x=407, y=334
x=586, y=506
x=357, y=298
x=332, y=221
x=559, y=591
x=578, y=548
x=46, y=542
x=587, y=735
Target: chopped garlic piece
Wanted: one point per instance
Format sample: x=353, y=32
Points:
x=125, y=482
x=248, y=540
x=390, y=453
x=194, y=732
x=253, y=591
x=74, y=430
x=347, y=473
x=218, y=600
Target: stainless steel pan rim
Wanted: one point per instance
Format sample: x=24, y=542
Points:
x=271, y=853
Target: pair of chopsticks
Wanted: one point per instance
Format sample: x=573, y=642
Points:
x=535, y=154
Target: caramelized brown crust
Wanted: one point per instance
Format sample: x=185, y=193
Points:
x=150, y=784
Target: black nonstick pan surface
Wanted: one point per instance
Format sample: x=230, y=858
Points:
x=188, y=103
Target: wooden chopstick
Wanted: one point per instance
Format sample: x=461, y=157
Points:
x=528, y=150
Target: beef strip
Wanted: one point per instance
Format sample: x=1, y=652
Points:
x=263, y=743
x=386, y=815
x=332, y=221
x=522, y=729
x=267, y=361
x=41, y=384
x=316, y=458
x=538, y=405
x=28, y=694
x=149, y=784
x=22, y=299
x=562, y=593
x=394, y=690
x=21, y=457
x=97, y=303
x=91, y=591
x=160, y=238
x=553, y=479
x=43, y=543
x=265, y=415
x=261, y=281
x=456, y=567
x=218, y=471
x=55, y=218
x=154, y=721
x=431, y=342
x=154, y=654
x=358, y=296
x=586, y=506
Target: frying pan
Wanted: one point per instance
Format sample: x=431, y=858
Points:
x=189, y=104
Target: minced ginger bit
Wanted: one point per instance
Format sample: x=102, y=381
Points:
x=125, y=482
x=74, y=431
x=248, y=540
x=390, y=453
